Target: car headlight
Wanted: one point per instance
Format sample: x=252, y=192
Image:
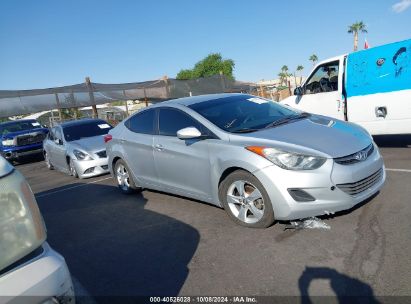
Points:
x=82, y=155
x=7, y=142
x=289, y=160
x=22, y=228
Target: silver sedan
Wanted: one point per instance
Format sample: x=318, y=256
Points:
x=78, y=148
x=257, y=159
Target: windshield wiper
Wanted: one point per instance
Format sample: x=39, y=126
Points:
x=287, y=120
x=245, y=130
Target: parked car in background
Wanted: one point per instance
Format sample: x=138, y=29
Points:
x=259, y=160
x=29, y=267
x=21, y=138
x=77, y=147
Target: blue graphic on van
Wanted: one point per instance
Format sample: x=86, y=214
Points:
x=380, y=69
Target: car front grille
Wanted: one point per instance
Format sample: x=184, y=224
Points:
x=355, y=157
x=362, y=185
x=28, y=139
x=102, y=154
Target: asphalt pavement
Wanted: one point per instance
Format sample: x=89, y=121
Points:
x=158, y=244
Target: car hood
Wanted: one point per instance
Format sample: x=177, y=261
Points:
x=5, y=167
x=11, y=135
x=332, y=137
x=90, y=144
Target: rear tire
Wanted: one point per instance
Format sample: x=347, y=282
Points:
x=246, y=201
x=124, y=178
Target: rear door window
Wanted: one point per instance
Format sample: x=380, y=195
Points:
x=142, y=122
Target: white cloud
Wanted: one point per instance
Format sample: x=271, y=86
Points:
x=401, y=6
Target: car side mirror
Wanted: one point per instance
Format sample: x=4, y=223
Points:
x=58, y=141
x=298, y=91
x=188, y=133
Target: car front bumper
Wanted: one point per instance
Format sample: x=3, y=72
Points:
x=12, y=153
x=44, y=279
x=323, y=184
x=90, y=168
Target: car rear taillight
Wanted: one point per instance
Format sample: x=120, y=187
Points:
x=107, y=138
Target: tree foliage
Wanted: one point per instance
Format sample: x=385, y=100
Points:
x=313, y=58
x=284, y=69
x=357, y=27
x=211, y=65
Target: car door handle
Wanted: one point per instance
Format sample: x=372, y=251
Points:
x=159, y=147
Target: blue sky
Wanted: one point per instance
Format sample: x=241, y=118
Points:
x=54, y=43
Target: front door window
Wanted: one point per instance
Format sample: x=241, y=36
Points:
x=324, y=79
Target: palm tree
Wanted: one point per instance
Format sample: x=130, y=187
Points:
x=284, y=74
x=313, y=58
x=283, y=77
x=354, y=29
x=299, y=69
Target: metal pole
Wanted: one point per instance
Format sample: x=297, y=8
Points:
x=165, y=78
x=124, y=93
x=91, y=95
x=145, y=97
x=222, y=81
x=58, y=104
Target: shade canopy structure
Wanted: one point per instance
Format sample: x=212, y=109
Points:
x=19, y=102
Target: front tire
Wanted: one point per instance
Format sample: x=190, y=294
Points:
x=124, y=178
x=246, y=201
x=73, y=171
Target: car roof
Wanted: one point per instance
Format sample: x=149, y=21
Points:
x=80, y=122
x=188, y=101
x=15, y=121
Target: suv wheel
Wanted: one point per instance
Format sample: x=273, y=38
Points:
x=246, y=201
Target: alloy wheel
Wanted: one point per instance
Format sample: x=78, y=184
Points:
x=123, y=177
x=245, y=201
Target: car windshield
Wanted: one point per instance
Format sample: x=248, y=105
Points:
x=242, y=113
x=17, y=126
x=85, y=129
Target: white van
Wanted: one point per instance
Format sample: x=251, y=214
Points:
x=371, y=88
x=30, y=271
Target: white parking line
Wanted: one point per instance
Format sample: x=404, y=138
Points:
x=73, y=187
x=398, y=170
